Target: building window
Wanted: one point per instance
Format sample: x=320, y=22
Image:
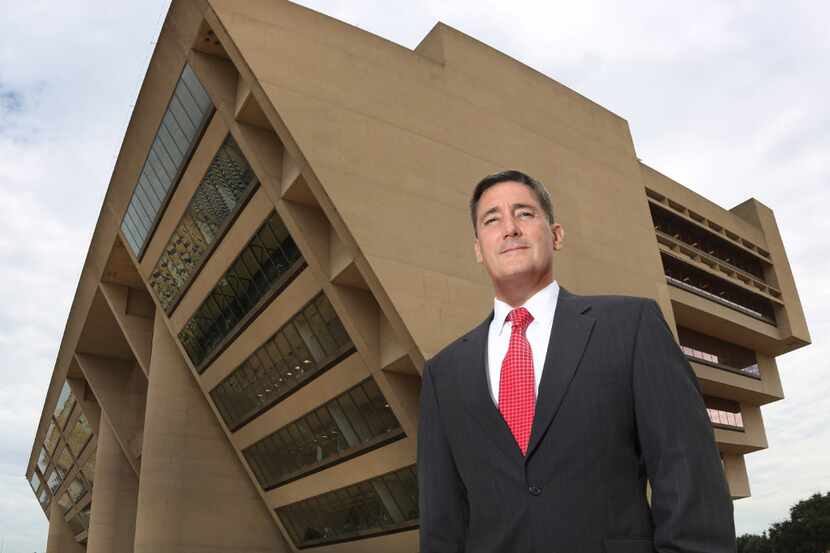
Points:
x=352, y=423
x=54, y=480
x=264, y=267
x=76, y=489
x=65, y=502
x=182, y=124
x=311, y=342
x=228, y=182
x=718, y=353
x=64, y=462
x=79, y=436
x=690, y=278
x=42, y=460
x=724, y=413
x=80, y=522
x=64, y=406
x=34, y=481
x=52, y=437
x=705, y=242
x=385, y=504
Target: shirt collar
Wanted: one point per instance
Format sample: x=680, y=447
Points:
x=541, y=305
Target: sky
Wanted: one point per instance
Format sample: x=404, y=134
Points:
x=727, y=98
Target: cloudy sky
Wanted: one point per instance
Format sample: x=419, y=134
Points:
x=728, y=98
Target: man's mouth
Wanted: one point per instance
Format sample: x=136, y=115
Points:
x=513, y=248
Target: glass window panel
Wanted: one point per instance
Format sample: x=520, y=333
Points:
x=54, y=480
x=187, y=125
x=315, y=438
x=64, y=406
x=179, y=128
x=64, y=462
x=80, y=435
x=43, y=497
x=52, y=437
x=76, y=489
x=361, y=509
x=42, y=460
x=65, y=502
x=277, y=368
x=34, y=481
x=227, y=305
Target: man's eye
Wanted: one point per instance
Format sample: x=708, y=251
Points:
x=489, y=220
x=525, y=214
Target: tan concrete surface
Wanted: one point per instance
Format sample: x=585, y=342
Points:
x=114, y=497
x=193, y=493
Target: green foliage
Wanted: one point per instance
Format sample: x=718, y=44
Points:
x=807, y=530
x=752, y=543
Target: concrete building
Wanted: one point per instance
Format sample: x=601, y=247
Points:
x=285, y=240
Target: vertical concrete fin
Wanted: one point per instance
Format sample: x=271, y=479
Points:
x=60, y=538
x=121, y=396
x=194, y=493
x=114, y=496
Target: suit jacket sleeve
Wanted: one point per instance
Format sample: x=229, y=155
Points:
x=690, y=503
x=442, y=496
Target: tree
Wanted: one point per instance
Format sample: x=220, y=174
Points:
x=807, y=531
x=753, y=543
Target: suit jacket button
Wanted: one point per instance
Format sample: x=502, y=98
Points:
x=535, y=490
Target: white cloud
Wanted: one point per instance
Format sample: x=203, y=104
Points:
x=725, y=97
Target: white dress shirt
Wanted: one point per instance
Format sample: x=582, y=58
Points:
x=542, y=306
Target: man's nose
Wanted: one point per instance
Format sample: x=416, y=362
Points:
x=511, y=228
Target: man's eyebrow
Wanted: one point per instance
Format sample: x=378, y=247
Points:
x=514, y=207
x=488, y=212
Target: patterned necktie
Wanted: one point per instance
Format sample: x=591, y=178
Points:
x=517, y=394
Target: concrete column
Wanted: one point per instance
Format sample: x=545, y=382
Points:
x=193, y=494
x=114, y=496
x=60, y=538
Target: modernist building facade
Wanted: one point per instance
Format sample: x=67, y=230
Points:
x=285, y=240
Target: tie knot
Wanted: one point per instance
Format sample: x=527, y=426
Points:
x=520, y=318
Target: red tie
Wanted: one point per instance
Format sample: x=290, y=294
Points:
x=517, y=394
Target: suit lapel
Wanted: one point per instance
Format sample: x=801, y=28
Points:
x=568, y=338
x=475, y=391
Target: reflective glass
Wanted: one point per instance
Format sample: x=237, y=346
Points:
x=65, y=502
x=290, y=358
x=43, y=498
x=80, y=435
x=76, y=489
x=54, y=480
x=265, y=264
x=228, y=180
x=327, y=434
x=64, y=406
x=34, y=481
x=42, y=460
x=384, y=504
x=52, y=437
x=186, y=115
x=64, y=462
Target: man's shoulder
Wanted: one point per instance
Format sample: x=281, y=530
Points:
x=614, y=305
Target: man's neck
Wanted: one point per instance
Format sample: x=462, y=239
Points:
x=515, y=294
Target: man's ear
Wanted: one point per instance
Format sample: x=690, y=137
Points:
x=558, y=235
x=477, y=248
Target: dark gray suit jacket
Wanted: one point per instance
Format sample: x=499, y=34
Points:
x=618, y=404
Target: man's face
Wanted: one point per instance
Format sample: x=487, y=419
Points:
x=515, y=241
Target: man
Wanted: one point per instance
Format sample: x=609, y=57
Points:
x=539, y=428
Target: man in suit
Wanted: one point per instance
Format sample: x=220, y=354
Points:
x=539, y=428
